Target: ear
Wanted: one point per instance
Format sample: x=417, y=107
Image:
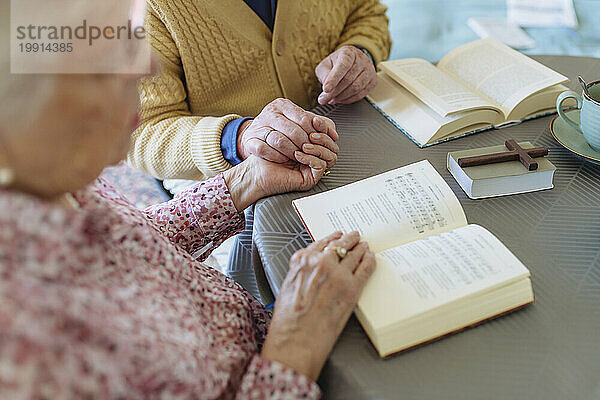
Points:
x=3, y=160
x=3, y=150
x=6, y=173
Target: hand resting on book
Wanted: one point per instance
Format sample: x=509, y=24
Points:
x=315, y=302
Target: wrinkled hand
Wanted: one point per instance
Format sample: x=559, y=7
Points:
x=256, y=178
x=317, y=297
x=271, y=178
x=347, y=76
x=282, y=129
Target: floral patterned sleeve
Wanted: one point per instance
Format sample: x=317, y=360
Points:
x=265, y=379
x=200, y=218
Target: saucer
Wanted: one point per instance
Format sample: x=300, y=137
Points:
x=572, y=140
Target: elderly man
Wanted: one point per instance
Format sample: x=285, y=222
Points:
x=223, y=62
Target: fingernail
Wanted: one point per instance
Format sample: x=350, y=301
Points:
x=309, y=146
x=297, y=154
x=316, y=136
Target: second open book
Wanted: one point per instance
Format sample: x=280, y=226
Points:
x=435, y=273
x=477, y=86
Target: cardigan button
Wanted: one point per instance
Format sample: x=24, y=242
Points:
x=279, y=47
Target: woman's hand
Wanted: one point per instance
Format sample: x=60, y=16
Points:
x=256, y=178
x=315, y=302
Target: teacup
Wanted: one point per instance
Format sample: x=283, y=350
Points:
x=590, y=113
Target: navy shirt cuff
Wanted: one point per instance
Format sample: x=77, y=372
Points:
x=229, y=141
x=366, y=52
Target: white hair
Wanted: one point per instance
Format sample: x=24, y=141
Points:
x=23, y=95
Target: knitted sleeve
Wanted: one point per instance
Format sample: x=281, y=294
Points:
x=367, y=26
x=170, y=142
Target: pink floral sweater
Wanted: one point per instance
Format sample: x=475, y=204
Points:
x=108, y=302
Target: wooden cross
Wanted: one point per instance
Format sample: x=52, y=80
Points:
x=526, y=156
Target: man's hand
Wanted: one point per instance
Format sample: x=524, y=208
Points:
x=347, y=76
x=283, y=129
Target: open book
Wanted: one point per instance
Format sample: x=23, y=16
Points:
x=478, y=86
x=435, y=274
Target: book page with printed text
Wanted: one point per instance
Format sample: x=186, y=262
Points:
x=499, y=72
x=418, y=276
x=389, y=209
x=421, y=122
x=440, y=91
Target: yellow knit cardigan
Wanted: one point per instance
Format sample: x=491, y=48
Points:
x=220, y=61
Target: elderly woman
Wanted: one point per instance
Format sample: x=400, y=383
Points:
x=101, y=300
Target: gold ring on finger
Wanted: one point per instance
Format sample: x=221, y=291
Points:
x=268, y=133
x=340, y=251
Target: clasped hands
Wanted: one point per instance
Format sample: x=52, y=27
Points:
x=284, y=132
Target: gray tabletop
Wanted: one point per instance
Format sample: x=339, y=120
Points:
x=549, y=350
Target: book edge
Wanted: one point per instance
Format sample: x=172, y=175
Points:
x=512, y=193
x=302, y=220
x=449, y=138
x=457, y=330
